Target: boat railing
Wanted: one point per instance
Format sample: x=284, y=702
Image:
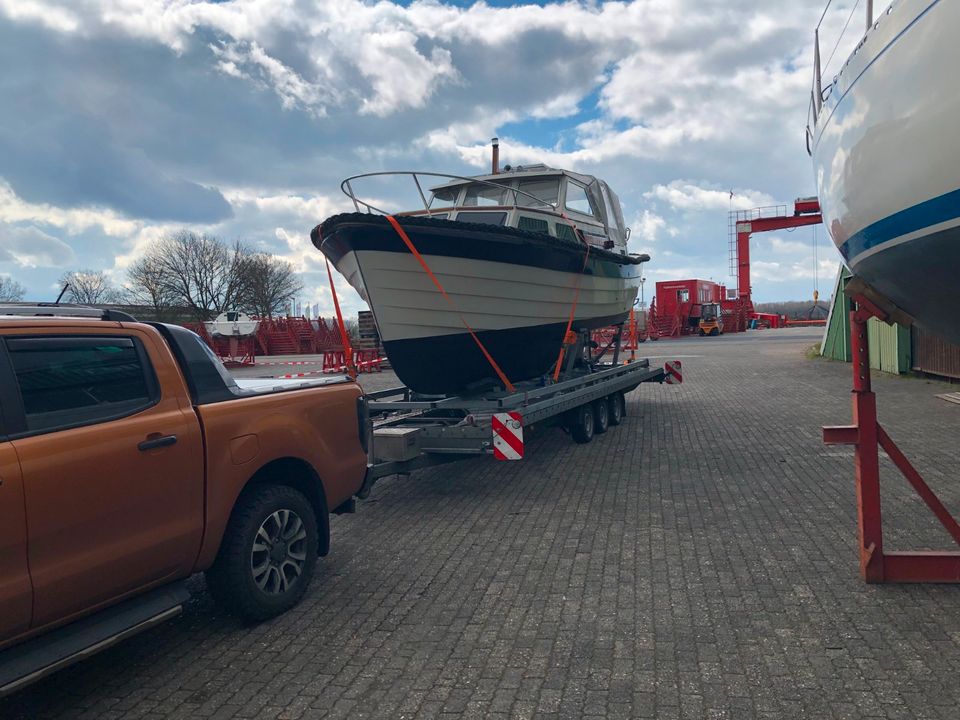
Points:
x=347, y=187
x=818, y=93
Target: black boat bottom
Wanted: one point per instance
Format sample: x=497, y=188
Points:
x=921, y=277
x=449, y=364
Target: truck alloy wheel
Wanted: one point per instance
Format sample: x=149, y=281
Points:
x=279, y=552
x=268, y=554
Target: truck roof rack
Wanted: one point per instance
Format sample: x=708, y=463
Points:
x=64, y=310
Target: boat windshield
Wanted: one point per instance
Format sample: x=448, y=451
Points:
x=444, y=197
x=545, y=190
x=577, y=199
x=480, y=195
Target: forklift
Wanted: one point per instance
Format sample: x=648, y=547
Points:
x=711, y=319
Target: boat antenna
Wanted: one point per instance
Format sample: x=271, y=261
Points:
x=495, y=164
x=60, y=296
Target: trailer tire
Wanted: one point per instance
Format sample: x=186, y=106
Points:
x=601, y=416
x=581, y=424
x=262, y=591
x=615, y=409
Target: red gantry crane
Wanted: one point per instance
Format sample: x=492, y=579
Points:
x=743, y=224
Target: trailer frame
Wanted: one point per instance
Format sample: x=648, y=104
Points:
x=457, y=427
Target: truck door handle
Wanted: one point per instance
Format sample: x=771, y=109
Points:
x=157, y=442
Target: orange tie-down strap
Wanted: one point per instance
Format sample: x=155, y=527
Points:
x=344, y=335
x=570, y=338
x=426, y=268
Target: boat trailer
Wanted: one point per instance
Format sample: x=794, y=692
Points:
x=407, y=432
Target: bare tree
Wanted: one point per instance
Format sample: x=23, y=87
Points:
x=198, y=272
x=89, y=287
x=267, y=284
x=148, y=285
x=11, y=290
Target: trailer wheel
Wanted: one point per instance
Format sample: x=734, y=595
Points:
x=581, y=425
x=615, y=409
x=601, y=416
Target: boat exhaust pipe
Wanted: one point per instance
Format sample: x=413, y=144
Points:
x=495, y=163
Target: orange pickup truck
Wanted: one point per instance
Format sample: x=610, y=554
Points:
x=131, y=459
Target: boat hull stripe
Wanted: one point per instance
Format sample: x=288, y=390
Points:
x=931, y=212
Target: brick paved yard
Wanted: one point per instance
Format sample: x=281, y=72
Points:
x=698, y=561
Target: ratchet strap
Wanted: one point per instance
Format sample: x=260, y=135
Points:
x=344, y=337
x=569, y=337
x=426, y=268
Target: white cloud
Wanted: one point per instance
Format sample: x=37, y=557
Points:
x=787, y=271
x=647, y=226
x=687, y=195
x=35, y=11
x=14, y=209
x=251, y=62
x=30, y=247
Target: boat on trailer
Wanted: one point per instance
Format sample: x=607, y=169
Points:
x=515, y=253
x=886, y=153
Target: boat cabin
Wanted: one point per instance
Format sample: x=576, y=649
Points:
x=537, y=199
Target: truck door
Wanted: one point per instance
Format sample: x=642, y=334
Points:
x=16, y=595
x=112, y=468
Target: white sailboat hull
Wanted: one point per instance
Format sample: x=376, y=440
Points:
x=887, y=160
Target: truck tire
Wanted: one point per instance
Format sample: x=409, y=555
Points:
x=616, y=409
x=601, y=416
x=581, y=424
x=268, y=553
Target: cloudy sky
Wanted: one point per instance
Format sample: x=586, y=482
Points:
x=122, y=120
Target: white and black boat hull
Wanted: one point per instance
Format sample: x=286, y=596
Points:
x=514, y=289
x=887, y=159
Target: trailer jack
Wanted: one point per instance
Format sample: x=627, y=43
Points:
x=868, y=436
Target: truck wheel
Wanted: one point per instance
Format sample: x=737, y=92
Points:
x=581, y=426
x=268, y=553
x=601, y=416
x=615, y=409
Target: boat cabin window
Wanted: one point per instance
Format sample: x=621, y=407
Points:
x=486, y=218
x=577, y=199
x=530, y=224
x=565, y=232
x=444, y=197
x=544, y=189
x=481, y=195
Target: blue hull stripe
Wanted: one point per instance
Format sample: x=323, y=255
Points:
x=926, y=214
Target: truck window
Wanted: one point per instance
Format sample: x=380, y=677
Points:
x=70, y=381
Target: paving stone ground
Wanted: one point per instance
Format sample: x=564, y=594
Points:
x=699, y=561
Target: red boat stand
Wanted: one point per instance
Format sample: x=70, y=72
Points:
x=867, y=436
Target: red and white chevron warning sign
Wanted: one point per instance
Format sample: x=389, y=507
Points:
x=673, y=371
x=507, y=436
